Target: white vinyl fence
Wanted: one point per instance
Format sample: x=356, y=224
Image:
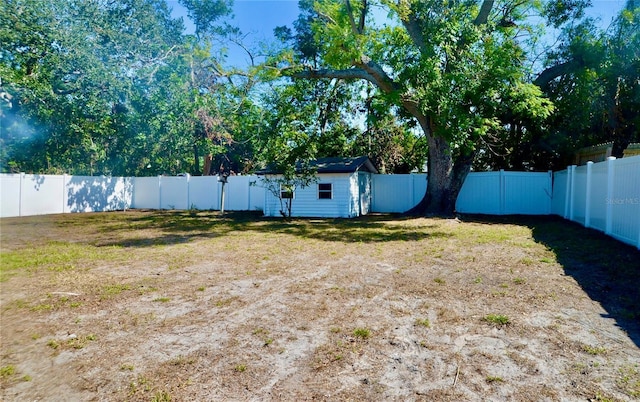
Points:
x=197, y=192
x=396, y=193
x=493, y=193
x=27, y=194
x=24, y=194
x=604, y=196
x=506, y=193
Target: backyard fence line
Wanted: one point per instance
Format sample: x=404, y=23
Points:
x=242, y=193
x=28, y=194
x=506, y=193
x=483, y=193
x=396, y=193
x=604, y=196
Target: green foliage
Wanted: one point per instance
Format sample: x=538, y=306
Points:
x=458, y=69
x=594, y=89
x=362, y=333
x=7, y=371
x=115, y=88
x=497, y=319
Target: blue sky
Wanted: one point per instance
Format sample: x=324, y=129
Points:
x=258, y=18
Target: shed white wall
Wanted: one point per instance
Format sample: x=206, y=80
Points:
x=344, y=202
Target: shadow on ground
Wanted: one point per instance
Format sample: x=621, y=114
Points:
x=174, y=227
x=606, y=269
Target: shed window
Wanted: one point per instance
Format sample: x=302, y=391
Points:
x=286, y=192
x=325, y=191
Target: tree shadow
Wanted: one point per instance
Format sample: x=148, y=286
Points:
x=88, y=194
x=606, y=269
x=175, y=227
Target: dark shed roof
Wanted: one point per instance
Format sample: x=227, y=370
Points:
x=335, y=165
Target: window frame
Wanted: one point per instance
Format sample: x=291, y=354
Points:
x=287, y=192
x=322, y=193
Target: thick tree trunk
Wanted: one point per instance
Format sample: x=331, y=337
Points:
x=196, y=161
x=444, y=181
x=446, y=171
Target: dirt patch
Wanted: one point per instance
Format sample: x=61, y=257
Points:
x=178, y=306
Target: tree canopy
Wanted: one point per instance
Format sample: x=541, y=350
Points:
x=119, y=88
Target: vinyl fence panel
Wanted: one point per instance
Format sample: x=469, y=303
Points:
x=10, y=194
x=204, y=193
x=597, y=197
x=97, y=194
x=480, y=194
x=46, y=194
x=578, y=201
x=237, y=194
x=174, y=192
x=559, y=199
x=146, y=193
x=527, y=193
x=625, y=200
x=397, y=193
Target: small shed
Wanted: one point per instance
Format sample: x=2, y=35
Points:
x=342, y=190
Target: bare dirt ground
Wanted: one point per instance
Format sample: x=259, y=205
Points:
x=158, y=306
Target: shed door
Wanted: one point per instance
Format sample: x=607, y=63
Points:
x=364, y=191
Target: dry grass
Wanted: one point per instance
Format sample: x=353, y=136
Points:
x=194, y=306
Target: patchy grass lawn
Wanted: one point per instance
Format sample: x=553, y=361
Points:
x=158, y=306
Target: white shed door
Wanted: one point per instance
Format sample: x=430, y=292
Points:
x=364, y=191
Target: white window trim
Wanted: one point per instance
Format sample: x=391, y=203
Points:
x=283, y=189
x=330, y=192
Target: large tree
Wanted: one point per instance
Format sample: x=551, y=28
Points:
x=593, y=78
x=73, y=71
x=451, y=65
x=117, y=87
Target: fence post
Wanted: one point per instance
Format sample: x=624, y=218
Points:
x=64, y=187
x=550, y=187
x=160, y=192
x=573, y=190
x=609, y=204
x=20, y=194
x=567, y=193
x=501, y=191
x=188, y=191
x=587, y=207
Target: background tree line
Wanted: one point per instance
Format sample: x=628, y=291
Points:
x=118, y=87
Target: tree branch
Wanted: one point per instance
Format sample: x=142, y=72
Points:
x=358, y=29
x=382, y=79
x=363, y=14
x=485, y=10
x=553, y=72
x=365, y=69
x=352, y=20
x=412, y=25
x=344, y=74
